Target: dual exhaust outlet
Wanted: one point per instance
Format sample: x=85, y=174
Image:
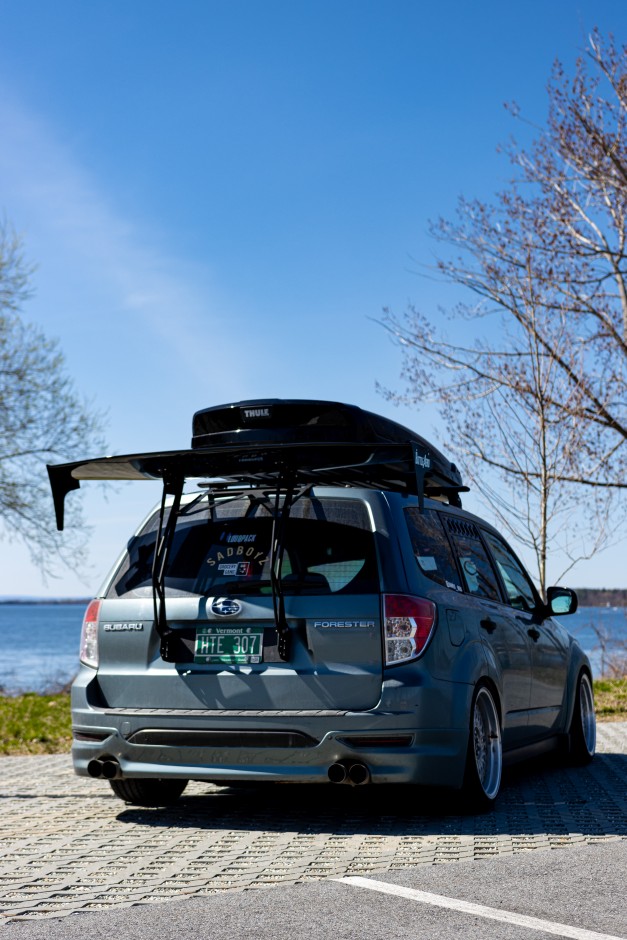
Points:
x=354, y=773
x=108, y=768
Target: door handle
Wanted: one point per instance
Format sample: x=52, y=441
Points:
x=488, y=624
x=534, y=634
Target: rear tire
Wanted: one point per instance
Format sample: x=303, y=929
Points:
x=582, y=734
x=484, y=759
x=142, y=792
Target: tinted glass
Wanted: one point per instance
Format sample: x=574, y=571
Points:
x=329, y=549
x=432, y=549
x=477, y=571
x=518, y=586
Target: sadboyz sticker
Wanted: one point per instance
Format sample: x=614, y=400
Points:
x=236, y=555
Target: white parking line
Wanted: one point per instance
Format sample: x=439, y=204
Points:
x=478, y=910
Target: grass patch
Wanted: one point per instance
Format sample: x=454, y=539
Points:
x=610, y=699
x=35, y=724
x=41, y=724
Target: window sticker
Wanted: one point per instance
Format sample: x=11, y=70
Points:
x=427, y=562
x=239, y=569
x=238, y=538
x=472, y=575
x=233, y=555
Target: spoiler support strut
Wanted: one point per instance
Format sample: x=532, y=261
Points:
x=172, y=486
x=279, y=528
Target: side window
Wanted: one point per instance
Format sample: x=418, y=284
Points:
x=518, y=587
x=432, y=549
x=477, y=571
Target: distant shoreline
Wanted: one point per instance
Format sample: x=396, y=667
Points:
x=588, y=597
x=602, y=597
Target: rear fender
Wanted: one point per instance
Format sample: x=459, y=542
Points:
x=578, y=663
x=465, y=663
x=493, y=669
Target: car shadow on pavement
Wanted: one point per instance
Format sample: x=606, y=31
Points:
x=537, y=797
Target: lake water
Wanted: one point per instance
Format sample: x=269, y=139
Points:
x=39, y=645
x=39, y=642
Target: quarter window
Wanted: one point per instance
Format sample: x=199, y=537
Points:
x=432, y=549
x=477, y=571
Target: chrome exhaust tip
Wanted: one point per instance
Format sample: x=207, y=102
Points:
x=337, y=773
x=358, y=774
x=110, y=769
x=106, y=767
x=94, y=768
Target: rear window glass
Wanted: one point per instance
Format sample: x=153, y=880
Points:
x=432, y=549
x=329, y=549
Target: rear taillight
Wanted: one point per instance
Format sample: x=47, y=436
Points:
x=89, y=635
x=408, y=624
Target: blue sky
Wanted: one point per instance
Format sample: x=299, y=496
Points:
x=220, y=198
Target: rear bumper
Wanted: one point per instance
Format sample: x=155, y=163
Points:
x=435, y=758
x=420, y=738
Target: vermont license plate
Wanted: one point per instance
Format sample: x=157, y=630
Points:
x=230, y=645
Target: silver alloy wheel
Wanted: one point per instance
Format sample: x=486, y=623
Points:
x=486, y=739
x=588, y=717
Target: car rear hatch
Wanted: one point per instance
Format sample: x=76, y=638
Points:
x=310, y=603
x=223, y=641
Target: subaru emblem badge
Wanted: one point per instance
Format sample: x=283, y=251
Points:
x=226, y=607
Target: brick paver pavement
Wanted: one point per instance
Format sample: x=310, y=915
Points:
x=67, y=844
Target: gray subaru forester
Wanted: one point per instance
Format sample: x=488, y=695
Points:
x=319, y=609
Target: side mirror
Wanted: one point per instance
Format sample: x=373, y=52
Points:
x=561, y=601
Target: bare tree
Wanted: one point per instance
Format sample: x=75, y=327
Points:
x=611, y=651
x=42, y=419
x=541, y=397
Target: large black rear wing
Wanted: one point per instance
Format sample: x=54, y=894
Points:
x=284, y=447
x=263, y=443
